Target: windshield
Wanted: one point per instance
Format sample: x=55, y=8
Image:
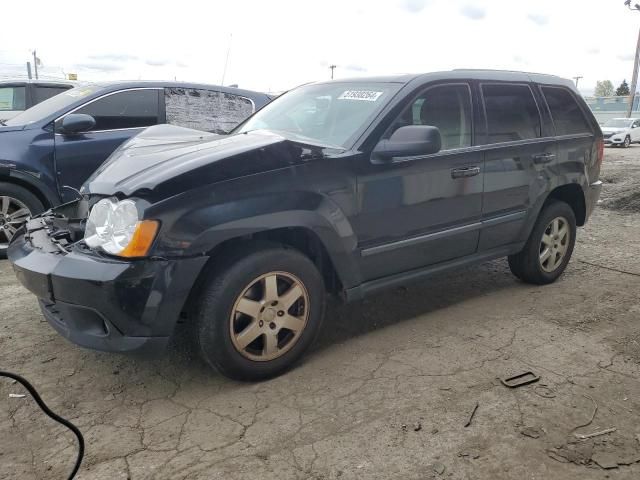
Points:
x=619, y=123
x=329, y=113
x=52, y=105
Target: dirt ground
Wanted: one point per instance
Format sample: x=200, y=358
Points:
x=385, y=394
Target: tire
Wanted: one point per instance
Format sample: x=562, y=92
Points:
x=627, y=142
x=14, y=199
x=224, y=330
x=538, y=263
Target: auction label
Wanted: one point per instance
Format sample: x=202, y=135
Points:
x=366, y=95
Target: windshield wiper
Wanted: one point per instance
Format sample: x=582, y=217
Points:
x=2, y=123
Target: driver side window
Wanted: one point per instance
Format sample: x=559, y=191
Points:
x=126, y=109
x=447, y=107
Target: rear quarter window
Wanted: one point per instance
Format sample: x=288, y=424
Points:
x=512, y=113
x=568, y=118
x=206, y=110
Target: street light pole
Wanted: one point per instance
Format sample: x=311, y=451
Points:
x=332, y=67
x=577, y=78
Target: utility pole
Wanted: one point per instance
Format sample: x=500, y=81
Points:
x=332, y=67
x=634, y=78
x=35, y=63
x=29, y=70
x=577, y=78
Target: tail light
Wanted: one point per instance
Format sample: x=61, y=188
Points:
x=600, y=146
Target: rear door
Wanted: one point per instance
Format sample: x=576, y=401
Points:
x=520, y=156
x=425, y=210
x=119, y=116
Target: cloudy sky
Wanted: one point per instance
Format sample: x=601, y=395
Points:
x=278, y=44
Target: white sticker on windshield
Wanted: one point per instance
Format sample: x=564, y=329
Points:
x=366, y=95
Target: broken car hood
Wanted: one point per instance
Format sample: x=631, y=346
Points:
x=175, y=159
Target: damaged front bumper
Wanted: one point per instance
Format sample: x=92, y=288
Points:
x=101, y=302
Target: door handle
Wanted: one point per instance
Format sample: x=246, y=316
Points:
x=543, y=157
x=465, y=172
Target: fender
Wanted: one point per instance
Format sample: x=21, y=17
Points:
x=203, y=227
x=11, y=174
x=535, y=209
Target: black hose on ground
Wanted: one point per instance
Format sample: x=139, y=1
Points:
x=53, y=416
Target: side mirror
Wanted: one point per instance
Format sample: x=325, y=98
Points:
x=409, y=141
x=77, y=123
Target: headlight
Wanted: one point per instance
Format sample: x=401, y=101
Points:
x=114, y=227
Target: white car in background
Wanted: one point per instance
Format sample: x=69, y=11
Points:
x=621, y=131
x=17, y=96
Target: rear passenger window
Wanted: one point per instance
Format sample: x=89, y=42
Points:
x=447, y=107
x=128, y=109
x=565, y=111
x=207, y=110
x=512, y=113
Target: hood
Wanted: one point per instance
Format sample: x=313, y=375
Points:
x=10, y=128
x=175, y=159
x=614, y=129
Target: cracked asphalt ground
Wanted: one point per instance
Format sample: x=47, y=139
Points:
x=385, y=393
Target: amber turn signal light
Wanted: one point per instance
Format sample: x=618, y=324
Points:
x=142, y=240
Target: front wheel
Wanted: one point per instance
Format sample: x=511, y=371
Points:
x=258, y=315
x=549, y=247
x=627, y=142
x=17, y=204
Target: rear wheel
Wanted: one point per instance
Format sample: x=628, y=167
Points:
x=549, y=247
x=258, y=314
x=16, y=205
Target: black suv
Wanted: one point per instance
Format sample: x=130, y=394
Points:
x=345, y=187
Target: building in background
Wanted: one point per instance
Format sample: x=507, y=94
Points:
x=605, y=108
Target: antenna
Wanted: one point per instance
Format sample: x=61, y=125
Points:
x=226, y=62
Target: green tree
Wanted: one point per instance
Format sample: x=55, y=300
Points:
x=604, y=88
x=623, y=89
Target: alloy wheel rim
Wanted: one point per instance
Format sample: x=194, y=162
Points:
x=13, y=213
x=554, y=244
x=627, y=142
x=269, y=316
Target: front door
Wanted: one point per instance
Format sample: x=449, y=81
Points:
x=426, y=210
x=119, y=116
